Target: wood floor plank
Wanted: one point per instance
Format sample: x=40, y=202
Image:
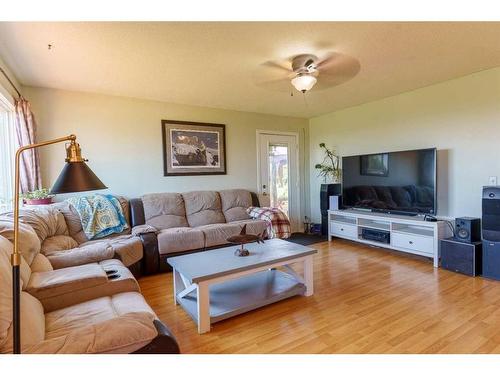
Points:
x=366, y=300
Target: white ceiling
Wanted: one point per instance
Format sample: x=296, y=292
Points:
x=219, y=65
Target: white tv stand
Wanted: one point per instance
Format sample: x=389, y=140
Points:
x=410, y=234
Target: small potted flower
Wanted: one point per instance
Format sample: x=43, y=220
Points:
x=37, y=197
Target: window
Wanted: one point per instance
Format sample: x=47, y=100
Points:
x=7, y=150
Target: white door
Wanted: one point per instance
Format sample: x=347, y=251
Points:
x=278, y=170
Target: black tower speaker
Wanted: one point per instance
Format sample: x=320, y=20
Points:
x=468, y=229
x=461, y=257
x=491, y=213
x=326, y=191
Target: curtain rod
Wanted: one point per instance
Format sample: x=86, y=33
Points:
x=11, y=83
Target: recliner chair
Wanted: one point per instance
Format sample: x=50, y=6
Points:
x=120, y=322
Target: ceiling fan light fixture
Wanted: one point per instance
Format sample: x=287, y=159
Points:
x=304, y=82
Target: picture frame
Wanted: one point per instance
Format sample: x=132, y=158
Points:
x=374, y=165
x=193, y=148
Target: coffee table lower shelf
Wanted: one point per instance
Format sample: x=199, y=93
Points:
x=237, y=296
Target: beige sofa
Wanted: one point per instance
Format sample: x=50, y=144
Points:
x=172, y=224
x=64, y=243
x=77, y=309
x=58, y=288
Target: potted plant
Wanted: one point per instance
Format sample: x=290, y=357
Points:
x=329, y=168
x=37, y=197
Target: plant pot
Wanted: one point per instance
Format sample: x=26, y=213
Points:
x=36, y=202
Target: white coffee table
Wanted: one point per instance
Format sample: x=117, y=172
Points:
x=215, y=285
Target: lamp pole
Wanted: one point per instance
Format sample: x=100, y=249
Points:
x=87, y=181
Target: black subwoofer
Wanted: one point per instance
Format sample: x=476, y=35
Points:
x=461, y=257
x=491, y=213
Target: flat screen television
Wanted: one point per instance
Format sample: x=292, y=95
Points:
x=402, y=182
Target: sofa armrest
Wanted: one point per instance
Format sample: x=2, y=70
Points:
x=260, y=200
x=164, y=343
x=136, y=212
x=121, y=335
x=64, y=281
x=143, y=229
x=151, y=258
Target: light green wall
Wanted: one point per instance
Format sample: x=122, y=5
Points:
x=460, y=117
x=122, y=139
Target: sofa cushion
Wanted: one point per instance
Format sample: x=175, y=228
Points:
x=217, y=234
x=120, y=335
x=73, y=221
x=61, y=322
x=164, y=210
x=203, y=208
x=32, y=318
x=126, y=247
x=174, y=240
x=58, y=242
x=29, y=243
x=41, y=264
x=46, y=220
x=32, y=325
x=235, y=203
x=32, y=321
x=5, y=289
x=7, y=248
x=89, y=253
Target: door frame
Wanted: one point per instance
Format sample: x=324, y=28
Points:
x=260, y=132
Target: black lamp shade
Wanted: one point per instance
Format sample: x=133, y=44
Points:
x=76, y=177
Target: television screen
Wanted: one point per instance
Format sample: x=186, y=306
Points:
x=399, y=182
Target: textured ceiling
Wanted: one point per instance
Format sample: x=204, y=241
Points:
x=220, y=65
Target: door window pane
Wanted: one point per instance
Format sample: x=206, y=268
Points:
x=278, y=176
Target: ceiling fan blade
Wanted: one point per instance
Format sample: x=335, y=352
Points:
x=282, y=84
x=329, y=58
x=275, y=65
x=340, y=69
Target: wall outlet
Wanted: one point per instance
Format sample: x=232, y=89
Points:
x=493, y=181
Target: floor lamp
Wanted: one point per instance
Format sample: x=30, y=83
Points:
x=76, y=176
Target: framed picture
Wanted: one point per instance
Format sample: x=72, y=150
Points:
x=193, y=148
x=375, y=165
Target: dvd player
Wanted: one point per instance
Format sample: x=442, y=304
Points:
x=376, y=235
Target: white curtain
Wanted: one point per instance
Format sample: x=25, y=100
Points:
x=7, y=151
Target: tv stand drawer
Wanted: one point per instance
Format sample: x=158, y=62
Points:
x=343, y=230
x=413, y=243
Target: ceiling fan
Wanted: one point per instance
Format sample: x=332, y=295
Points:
x=306, y=71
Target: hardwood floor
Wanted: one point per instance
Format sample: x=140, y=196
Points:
x=366, y=300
